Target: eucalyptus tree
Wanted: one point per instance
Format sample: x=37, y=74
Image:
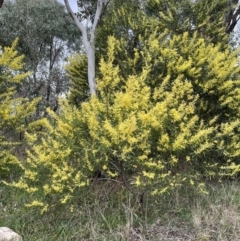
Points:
x=125, y=20
x=87, y=21
x=46, y=35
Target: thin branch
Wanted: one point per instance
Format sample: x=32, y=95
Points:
x=233, y=20
x=1, y=3
x=97, y=14
x=85, y=8
x=78, y=23
x=74, y=17
x=105, y=7
x=105, y=179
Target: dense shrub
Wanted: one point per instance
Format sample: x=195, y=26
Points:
x=145, y=136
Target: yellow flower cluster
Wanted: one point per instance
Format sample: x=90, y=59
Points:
x=13, y=111
x=145, y=132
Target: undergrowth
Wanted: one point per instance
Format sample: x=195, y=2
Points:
x=111, y=213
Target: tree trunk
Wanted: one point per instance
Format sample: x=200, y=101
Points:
x=89, y=43
x=91, y=69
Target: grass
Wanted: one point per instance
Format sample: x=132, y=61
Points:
x=180, y=215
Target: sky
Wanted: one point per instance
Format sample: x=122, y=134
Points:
x=73, y=4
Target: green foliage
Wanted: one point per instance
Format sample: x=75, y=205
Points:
x=213, y=72
x=125, y=21
x=46, y=34
x=206, y=17
x=13, y=111
x=77, y=72
x=36, y=23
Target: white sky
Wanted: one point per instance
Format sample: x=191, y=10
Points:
x=73, y=4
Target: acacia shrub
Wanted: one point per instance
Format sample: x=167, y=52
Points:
x=213, y=72
x=14, y=111
x=142, y=137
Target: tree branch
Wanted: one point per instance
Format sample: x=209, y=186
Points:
x=1, y=3
x=85, y=8
x=97, y=14
x=80, y=26
x=105, y=7
x=77, y=22
x=232, y=20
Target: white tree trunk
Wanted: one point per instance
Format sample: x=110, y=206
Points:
x=89, y=43
x=91, y=69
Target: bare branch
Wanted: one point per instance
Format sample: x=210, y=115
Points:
x=74, y=17
x=232, y=20
x=89, y=44
x=78, y=23
x=1, y=3
x=105, y=7
x=98, y=14
x=85, y=8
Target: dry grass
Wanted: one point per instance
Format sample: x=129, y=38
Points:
x=219, y=218
x=182, y=215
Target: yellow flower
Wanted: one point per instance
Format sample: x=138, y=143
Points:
x=71, y=208
x=57, y=188
x=150, y=175
x=35, y=203
x=65, y=199
x=154, y=192
x=137, y=182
